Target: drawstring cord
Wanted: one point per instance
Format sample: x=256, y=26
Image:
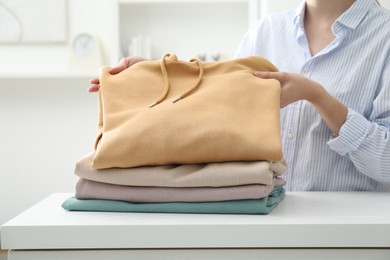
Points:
x=166, y=81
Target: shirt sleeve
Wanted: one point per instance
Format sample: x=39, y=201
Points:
x=249, y=41
x=366, y=141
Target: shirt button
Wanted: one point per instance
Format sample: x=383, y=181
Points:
x=306, y=69
x=290, y=136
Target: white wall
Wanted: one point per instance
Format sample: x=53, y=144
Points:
x=46, y=126
x=95, y=16
x=48, y=123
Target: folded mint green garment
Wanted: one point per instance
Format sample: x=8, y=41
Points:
x=256, y=206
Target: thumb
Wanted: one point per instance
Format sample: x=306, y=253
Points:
x=266, y=74
x=282, y=77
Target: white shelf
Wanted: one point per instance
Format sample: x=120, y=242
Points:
x=187, y=28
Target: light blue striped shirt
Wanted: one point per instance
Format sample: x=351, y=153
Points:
x=355, y=69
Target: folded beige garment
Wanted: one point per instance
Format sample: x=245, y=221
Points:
x=87, y=189
x=185, y=175
x=223, y=113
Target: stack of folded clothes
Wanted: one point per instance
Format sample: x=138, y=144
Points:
x=189, y=157
x=224, y=188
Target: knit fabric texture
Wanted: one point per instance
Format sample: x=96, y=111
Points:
x=223, y=113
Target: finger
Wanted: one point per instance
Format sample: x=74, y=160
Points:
x=94, y=81
x=94, y=88
x=118, y=68
x=269, y=75
x=123, y=64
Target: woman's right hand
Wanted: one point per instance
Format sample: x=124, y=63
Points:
x=123, y=64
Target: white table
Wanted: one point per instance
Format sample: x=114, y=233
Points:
x=305, y=225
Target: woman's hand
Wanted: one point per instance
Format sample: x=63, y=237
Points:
x=123, y=64
x=296, y=87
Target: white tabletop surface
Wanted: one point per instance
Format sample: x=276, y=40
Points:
x=302, y=219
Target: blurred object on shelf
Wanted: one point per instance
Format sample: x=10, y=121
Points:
x=214, y=57
x=140, y=46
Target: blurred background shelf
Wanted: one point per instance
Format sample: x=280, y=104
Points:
x=209, y=29
x=189, y=28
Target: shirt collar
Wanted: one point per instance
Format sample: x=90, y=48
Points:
x=351, y=18
x=300, y=14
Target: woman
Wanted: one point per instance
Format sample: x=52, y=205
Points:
x=334, y=58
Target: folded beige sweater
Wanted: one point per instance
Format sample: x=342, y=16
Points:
x=188, y=175
x=201, y=112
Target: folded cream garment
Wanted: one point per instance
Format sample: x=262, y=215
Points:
x=87, y=189
x=223, y=113
x=186, y=175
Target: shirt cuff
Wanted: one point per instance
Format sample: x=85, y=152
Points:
x=352, y=134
